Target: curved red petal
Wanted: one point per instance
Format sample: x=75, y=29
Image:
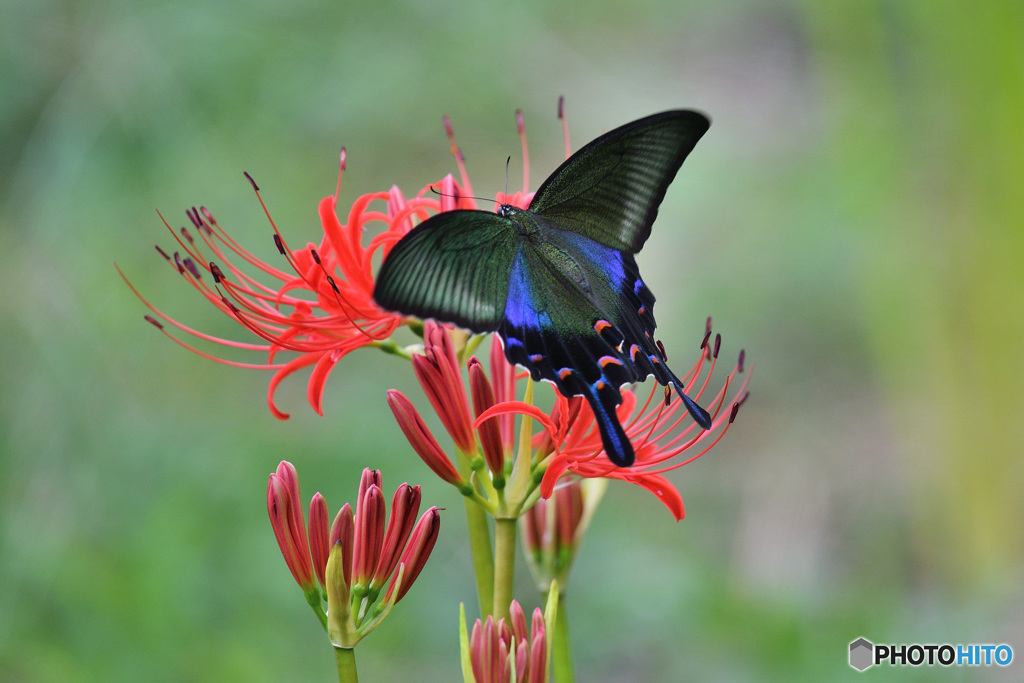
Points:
x=663, y=490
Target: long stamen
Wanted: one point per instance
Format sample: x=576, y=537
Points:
x=521, y=127
x=460, y=160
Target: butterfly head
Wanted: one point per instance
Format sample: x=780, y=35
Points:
x=507, y=210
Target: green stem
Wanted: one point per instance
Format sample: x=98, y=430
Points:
x=561, y=653
x=345, y=657
x=483, y=563
x=504, y=564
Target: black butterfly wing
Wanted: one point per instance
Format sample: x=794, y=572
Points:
x=611, y=188
x=453, y=267
x=579, y=315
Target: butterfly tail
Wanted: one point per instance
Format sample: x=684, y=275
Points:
x=603, y=401
x=699, y=415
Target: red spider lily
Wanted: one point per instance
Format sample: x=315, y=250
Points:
x=571, y=442
x=321, y=307
x=352, y=560
x=508, y=652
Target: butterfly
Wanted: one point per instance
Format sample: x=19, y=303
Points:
x=558, y=281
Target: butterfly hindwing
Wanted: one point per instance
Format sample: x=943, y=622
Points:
x=579, y=315
x=611, y=188
x=452, y=267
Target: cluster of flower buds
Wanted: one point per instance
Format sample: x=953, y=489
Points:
x=506, y=651
x=351, y=560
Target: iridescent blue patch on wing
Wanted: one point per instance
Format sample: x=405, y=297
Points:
x=637, y=286
x=606, y=259
x=519, y=308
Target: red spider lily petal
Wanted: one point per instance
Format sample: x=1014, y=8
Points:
x=538, y=648
x=319, y=536
x=517, y=621
x=504, y=376
x=416, y=552
x=490, y=430
x=404, y=507
x=284, y=507
x=441, y=378
x=369, y=534
x=420, y=438
x=665, y=492
x=511, y=407
x=569, y=512
x=367, y=479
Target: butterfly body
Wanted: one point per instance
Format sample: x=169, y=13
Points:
x=558, y=281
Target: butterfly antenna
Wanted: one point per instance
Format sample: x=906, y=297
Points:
x=565, y=125
x=458, y=196
x=507, y=162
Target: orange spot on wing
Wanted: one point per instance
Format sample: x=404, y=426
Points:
x=601, y=325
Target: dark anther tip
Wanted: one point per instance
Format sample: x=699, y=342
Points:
x=330, y=281
x=162, y=252
x=718, y=345
x=735, y=410
x=704, y=342
x=206, y=213
x=742, y=359
x=561, y=106
x=342, y=158
x=315, y=255
x=215, y=270
x=177, y=262
x=279, y=244
x=744, y=397
x=187, y=235
x=154, y=322
x=191, y=265
x=251, y=181
x=193, y=216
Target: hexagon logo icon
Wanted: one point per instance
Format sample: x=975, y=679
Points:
x=861, y=654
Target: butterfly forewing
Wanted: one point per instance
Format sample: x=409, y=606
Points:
x=611, y=188
x=453, y=267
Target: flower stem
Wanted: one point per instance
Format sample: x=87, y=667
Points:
x=504, y=564
x=561, y=653
x=345, y=657
x=483, y=563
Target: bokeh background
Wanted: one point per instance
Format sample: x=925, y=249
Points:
x=853, y=219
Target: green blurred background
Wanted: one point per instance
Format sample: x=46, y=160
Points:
x=853, y=219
